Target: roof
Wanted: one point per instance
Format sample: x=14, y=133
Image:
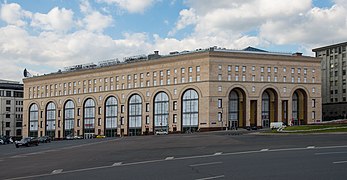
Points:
x=329, y=46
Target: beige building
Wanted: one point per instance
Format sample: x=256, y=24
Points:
x=334, y=94
x=201, y=90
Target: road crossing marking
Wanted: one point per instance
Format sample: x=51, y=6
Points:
x=169, y=158
x=340, y=162
x=205, y=164
x=214, y=177
x=218, y=153
x=264, y=150
x=311, y=147
x=117, y=164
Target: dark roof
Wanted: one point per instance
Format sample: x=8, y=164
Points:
x=329, y=46
x=253, y=49
x=11, y=86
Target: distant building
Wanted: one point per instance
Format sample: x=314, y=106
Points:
x=333, y=80
x=202, y=90
x=11, y=108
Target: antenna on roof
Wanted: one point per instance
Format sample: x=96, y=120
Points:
x=26, y=73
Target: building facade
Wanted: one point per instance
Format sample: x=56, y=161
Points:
x=334, y=95
x=11, y=108
x=201, y=90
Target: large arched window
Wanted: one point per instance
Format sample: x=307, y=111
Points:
x=190, y=111
x=135, y=115
x=111, y=113
x=50, y=119
x=265, y=109
x=161, y=112
x=233, y=109
x=33, y=120
x=69, y=118
x=89, y=118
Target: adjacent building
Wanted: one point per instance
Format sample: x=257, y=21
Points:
x=334, y=95
x=202, y=90
x=11, y=108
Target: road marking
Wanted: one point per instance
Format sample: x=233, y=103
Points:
x=311, y=147
x=330, y=153
x=169, y=158
x=264, y=150
x=205, y=164
x=117, y=164
x=218, y=153
x=57, y=171
x=340, y=162
x=17, y=156
x=214, y=177
x=184, y=158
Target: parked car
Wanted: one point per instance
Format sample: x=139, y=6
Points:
x=45, y=139
x=161, y=132
x=28, y=141
x=2, y=141
x=70, y=137
x=6, y=140
x=78, y=137
x=100, y=136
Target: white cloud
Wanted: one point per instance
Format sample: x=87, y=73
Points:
x=13, y=14
x=55, y=20
x=132, y=6
x=95, y=21
x=187, y=17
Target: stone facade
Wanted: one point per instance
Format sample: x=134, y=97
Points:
x=334, y=65
x=230, y=87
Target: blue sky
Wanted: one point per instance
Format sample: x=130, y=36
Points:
x=46, y=35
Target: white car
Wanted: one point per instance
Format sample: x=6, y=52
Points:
x=2, y=141
x=161, y=132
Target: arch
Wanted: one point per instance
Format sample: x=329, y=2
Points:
x=189, y=87
x=161, y=112
x=269, y=110
x=89, y=118
x=69, y=118
x=111, y=116
x=190, y=111
x=237, y=108
x=33, y=120
x=135, y=115
x=299, y=107
x=51, y=112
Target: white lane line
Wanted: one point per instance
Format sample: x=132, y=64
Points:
x=327, y=153
x=169, y=158
x=205, y=164
x=311, y=147
x=264, y=150
x=57, y=171
x=218, y=153
x=340, y=162
x=214, y=177
x=117, y=164
x=17, y=156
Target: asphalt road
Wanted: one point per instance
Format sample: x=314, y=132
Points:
x=200, y=156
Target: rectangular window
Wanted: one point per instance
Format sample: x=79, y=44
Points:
x=197, y=78
x=243, y=78
x=299, y=70
x=236, y=68
x=269, y=69
x=182, y=80
x=122, y=120
x=253, y=88
x=219, y=77
x=253, y=77
x=243, y=68
x=122, y=109
x=197, y=68
x=175, y=105
x=219, y=103
x=229, y=68
x=284, y=78
x=168, y=72
x=182, y=70
x=313, y=103
x=220, y=116
x=236, y=78
x=293, y=80
x=161, y=73
x=190, y=79
x=284, y=69
x=293, y=70
x=190, y=69
x=99, y=121
x=313, y=114
x=8, y=102
x=268, y=78
x=284, y=89
x=253, y=68
x=275, y=78
x=262, y=69
x=219, y=67
x=175, y=118
x=78, y=122
x=275, y=69
x=219, y=88
x=147, y=119
x=262, y=78
x=147, y=107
